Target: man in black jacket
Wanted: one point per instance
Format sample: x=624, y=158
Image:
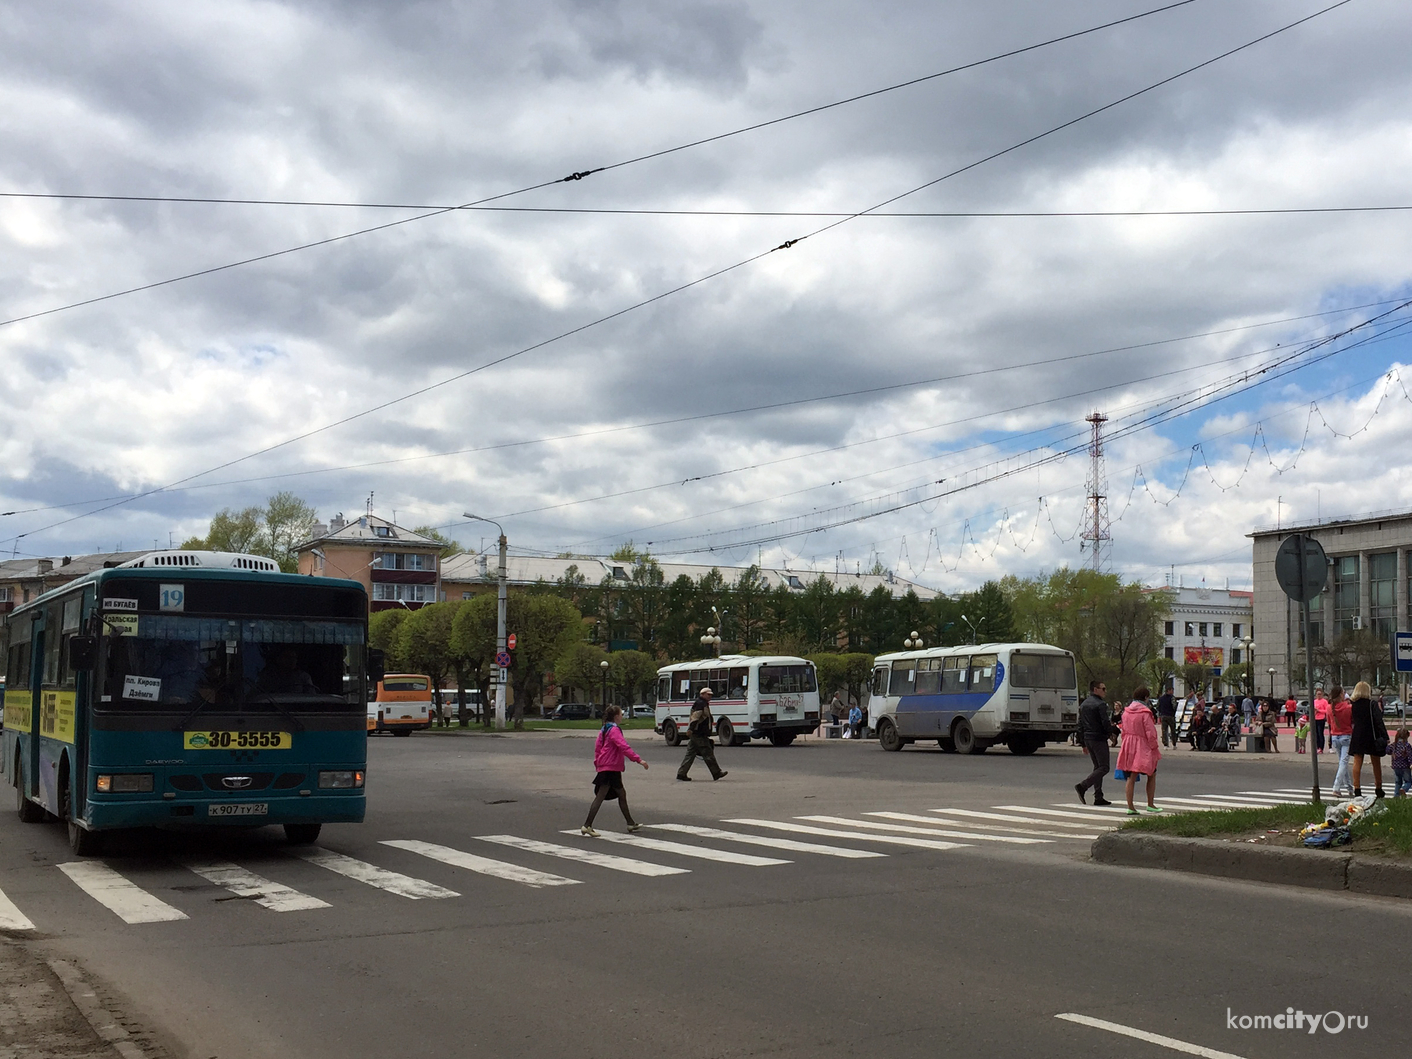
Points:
x=1167, y=715
x=698, y=732
x=1095, y=725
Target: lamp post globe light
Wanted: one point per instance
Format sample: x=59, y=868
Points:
x=502, y=674
x=712, y=640
x=1249, y=645
x=912, y=641
x=603, y=665
x=1271, y=671
x=970, y=625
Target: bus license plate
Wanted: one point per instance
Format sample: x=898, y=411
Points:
x=237, y=741
x=238, y=809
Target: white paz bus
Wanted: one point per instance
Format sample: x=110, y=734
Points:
x=769, y=697
x=971, y=698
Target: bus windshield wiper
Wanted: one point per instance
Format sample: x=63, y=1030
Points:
x=268, y=697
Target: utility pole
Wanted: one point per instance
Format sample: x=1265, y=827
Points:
x=1097, y=534
x=502, y=673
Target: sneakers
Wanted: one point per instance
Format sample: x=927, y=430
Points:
x=586, y=830
x=1154, y=808
x=1079, y=787
x=634, y=827
x=1098, y=799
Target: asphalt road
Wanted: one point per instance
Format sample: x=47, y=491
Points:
x=969, y=950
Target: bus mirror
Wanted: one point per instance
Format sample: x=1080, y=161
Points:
x=377, y=665
x=83, y=652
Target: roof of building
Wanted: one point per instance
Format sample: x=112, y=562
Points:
x=1332, y=521
x=67, y=566
x=365, y=529
x=529, y=569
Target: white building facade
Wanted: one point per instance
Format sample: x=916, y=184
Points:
x=1210, y=626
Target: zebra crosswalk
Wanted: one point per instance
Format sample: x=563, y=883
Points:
x=671, y=849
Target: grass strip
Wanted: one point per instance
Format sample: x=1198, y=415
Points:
x=1389, y=833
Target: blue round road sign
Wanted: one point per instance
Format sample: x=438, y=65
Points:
x=502, y=659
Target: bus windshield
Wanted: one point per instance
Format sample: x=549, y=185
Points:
x=181, y=663
x=1041, y=671
x=777, y=679
x=405, y=684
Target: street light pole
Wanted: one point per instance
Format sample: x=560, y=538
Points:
x=603, y=665
x=502, y=674
x=712, y=640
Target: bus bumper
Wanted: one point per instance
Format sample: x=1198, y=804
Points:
x=326, y=807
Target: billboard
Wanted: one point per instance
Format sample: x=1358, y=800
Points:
x=1204, y=656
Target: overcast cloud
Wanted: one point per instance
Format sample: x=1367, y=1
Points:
x=451, y=102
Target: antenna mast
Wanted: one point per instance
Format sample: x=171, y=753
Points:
x=1097, y=532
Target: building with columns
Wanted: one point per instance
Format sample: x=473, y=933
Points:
x=1210, y=627
x=1367, y=592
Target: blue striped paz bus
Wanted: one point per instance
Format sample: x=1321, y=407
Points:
x=971, y=698
x=189, y=689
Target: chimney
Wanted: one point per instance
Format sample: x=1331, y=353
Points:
x=46, y=566
x=336, y=523
x=66, y=560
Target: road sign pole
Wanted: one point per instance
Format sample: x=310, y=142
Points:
x=500, y=639
x=1313, y=741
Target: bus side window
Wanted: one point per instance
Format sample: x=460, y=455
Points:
x=904, y=678
x=953, y=674
x=720, y=683
x=880, y=680
x=17, y=671
x=664, y=689
x=928, y=676
x=983, y=672
x=681, y=689
x=53, y=642
x=739, y=682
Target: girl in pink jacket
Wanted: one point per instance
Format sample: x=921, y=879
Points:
x=609, y=750
x=1139, y=754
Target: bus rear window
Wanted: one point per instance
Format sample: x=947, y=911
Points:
x=1041, y=671
x=405, y=684
x=775, y=680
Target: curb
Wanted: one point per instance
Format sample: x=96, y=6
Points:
x=1312, y=869
x=108, y=1029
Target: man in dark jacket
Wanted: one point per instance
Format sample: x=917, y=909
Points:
x=698, y=730
x=1167, y=715
x=1095, y=725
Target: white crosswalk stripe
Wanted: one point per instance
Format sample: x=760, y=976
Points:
x=1278, y=796
x=789, y=845
x=825, y=832
x=11, y=918
x=981, y=825
x=681, y=849
x=1007, y=818
x=126, y=900
x=1206, y=803
x=484, y=865
x=243, y=883
x=363, y=872
x=843, y=821
x=1091, y=816
x=1093, y=810
x=585, y=856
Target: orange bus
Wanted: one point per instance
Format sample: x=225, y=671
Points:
x=401, y=705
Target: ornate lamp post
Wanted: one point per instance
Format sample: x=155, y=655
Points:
x=913, y=641
x=603, y=665
x=712, y=640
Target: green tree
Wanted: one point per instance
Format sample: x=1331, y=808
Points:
x=632, y=673
x=272, y=531
x=233, y=531
x=747, y=608
x=816, y=615
x=449, y=547
x=424, y=642
x=473, y=644
x=384, y=629
x=579, y=667
x=545, y=627
x=989, y=611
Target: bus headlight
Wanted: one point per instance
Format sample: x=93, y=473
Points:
x=341, y=779
x=124, y=783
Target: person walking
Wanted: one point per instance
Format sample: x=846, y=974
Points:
x=609, y=751
x=1270, y=726
x=1139, y=754
x=1402, y=764
x=837, y=710
x=1321, y=719
x=1094, y=722
x=698, y=729
x=1369, y=739
x=1247, y=711
x=1340, y=735
x=1167, y=715
x=1291, y=708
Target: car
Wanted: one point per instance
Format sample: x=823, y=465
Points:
x=1393, y=708
x=642, y=709
x=572, y=711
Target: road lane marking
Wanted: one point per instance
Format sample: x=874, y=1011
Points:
x=1253, y=799
x=981, y=825
x=1090, y=818
x=825, y=832
x=790, y=845
x=585, y=856
x=126, y=900
x=11, y=918
x=724, y=856
x=966, y=813
x=1212, y=803
x=498, y=869
x=903, y=829
x=1293, y=797
x=361, y=871
x=1150, y=1038
x=268, y=894
x=1093, y=810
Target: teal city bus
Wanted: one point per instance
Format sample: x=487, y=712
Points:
x=189, y=689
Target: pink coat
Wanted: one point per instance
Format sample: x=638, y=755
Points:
x=610, y=749
x=1139, y=751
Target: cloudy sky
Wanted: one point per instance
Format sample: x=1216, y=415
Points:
x=984, y=341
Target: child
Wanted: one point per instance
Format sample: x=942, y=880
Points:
x=1402, y=763
x=1301, y=734
x=609, y=752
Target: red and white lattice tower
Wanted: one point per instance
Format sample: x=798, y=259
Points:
x=1097, y=535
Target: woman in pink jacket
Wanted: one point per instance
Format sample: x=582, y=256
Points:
x=1139, y=754
x=609, y=751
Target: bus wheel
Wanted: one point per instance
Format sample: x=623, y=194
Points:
x=964, y=737
x=947, y=745
x=1022, y=746
x=725, y=734
x=83, y=842
x=302, y=834
x=781, y=738
x=29, y=812
x=671, y=732
x=888, y=738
